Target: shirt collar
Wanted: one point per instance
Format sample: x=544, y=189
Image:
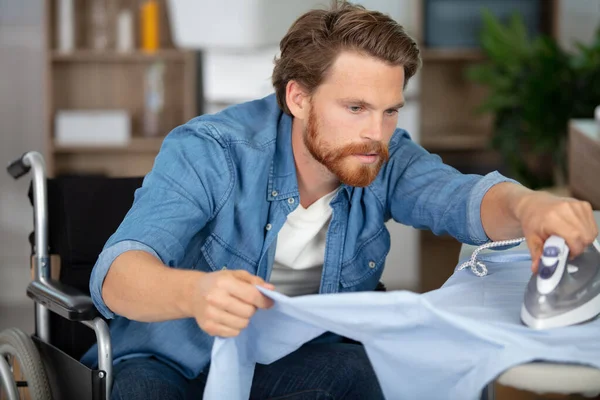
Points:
x=283, y=182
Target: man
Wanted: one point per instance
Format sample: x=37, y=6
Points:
x=294, y=189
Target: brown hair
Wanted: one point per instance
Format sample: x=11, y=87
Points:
x=314, y=40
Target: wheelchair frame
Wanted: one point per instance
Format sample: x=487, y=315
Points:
x=64, y=300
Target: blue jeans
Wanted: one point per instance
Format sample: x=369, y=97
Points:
x=315, y=371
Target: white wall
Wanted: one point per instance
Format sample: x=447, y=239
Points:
x=21, y=130
x=404, y=11
x=579, y=20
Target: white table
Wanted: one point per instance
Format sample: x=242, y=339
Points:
x=546, y=377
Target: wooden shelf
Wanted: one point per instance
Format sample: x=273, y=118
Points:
x=136, y=145
x=432, y=54
x=455, y=140
x=91, y=56
x=90, y=79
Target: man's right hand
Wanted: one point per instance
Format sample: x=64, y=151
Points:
x=224, y=301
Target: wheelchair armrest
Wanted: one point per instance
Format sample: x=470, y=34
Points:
x=62, y=299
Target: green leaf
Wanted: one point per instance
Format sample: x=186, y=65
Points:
x=534, y=87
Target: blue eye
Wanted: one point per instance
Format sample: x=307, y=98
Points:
x=355, y=109
x=391, y=113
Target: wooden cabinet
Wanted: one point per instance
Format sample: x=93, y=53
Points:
x=91, y=79
x=449, y=125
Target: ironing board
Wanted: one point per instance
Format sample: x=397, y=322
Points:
x=547, y=377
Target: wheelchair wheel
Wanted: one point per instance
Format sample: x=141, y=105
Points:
x=18, y=345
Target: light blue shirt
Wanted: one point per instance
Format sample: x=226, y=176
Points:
x=444, y=344
x=220, y=190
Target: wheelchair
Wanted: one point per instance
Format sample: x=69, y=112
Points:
x=73, y=219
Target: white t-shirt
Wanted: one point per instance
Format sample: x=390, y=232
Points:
x=300, y=251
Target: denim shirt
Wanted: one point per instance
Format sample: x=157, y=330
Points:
x=220, y=190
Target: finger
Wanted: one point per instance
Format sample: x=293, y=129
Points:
x=574, y=236
x=576, y=245
x=586, y=216
x=232, y=305
x=572, y=231
x=222, y=317
x=252, y=279
x=248, y=293
x=535, y=244
x=595, y=230
x=575, y=242
x=215, y=329
x=580, y=220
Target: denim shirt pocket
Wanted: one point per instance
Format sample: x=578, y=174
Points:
x=364, y=269
x=220, y=256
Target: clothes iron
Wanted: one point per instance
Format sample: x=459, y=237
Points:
x=563, y=292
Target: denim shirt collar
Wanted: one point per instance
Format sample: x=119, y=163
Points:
x=283, y=181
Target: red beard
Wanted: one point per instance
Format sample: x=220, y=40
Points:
x=336, y=159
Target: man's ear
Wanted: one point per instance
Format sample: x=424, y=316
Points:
x=297, y=99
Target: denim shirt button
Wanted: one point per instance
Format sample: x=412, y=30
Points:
x=224, y=267
x=274, y=193
x=371, y=264
x=291, y=200
x=268, y=227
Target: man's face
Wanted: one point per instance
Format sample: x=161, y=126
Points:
x=353, y=115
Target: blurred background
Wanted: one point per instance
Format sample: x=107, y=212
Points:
x=95, y=85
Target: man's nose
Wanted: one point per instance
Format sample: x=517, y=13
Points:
x=375, y=130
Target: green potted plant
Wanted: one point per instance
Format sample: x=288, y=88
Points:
x=534, y=89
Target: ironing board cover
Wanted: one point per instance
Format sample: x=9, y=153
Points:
x=444, y=344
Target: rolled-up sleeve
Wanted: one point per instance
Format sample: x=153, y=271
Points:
x=425, y=193
x=105, y=260
x=182, y=192
x=481, y=187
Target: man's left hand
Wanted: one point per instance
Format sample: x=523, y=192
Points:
x=542, y=215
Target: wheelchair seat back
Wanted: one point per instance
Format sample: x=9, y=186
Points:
x=83, y=212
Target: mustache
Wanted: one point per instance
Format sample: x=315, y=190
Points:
x=372, y=147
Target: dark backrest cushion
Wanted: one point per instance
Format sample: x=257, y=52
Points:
x=83, y=211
